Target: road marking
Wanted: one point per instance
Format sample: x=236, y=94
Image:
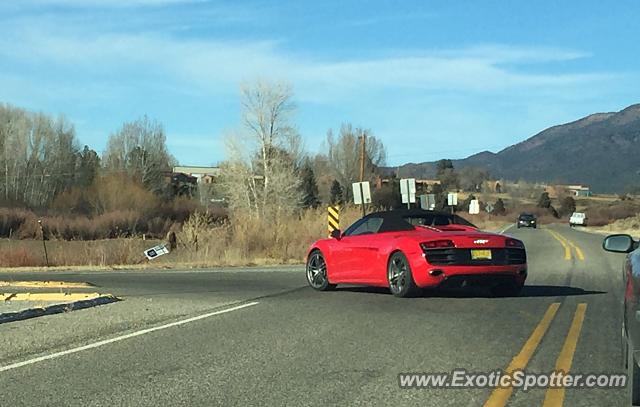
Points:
x=567, y=249
x=44, y=284
x=500, y=396
x=123, y=337
x=579, y=253
x=555, y=396
x=49, y=296
x=577, y=249
x=503, y=231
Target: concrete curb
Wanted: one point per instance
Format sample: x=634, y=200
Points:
x=56, y=308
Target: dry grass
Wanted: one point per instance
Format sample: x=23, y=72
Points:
x=61, y=253
x=205, y=241
x=202, y=242
x=629, y=226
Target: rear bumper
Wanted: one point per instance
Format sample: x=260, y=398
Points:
x=429, y=276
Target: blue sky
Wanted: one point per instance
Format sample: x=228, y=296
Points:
x=432, y=79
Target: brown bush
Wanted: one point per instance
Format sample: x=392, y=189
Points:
x=16, y=256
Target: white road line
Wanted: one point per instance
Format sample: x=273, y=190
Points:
x=503, y=231
x=122, y=338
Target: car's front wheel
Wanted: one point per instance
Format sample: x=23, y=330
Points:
x=317, y=272
x=401, y=282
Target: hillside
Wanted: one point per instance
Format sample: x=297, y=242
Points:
x=601, y=150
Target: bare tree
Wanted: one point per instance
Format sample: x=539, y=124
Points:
x=37, y=156
x=261, y=173
x=139, y=149
x=343, y=155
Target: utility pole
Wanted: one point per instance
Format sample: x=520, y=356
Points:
x=363, y=141
x=362, y=150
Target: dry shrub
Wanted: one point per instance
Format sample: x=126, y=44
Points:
x=196, y=227
x=603, y=213
x=13, y=256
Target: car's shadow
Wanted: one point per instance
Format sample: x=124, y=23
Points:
x=479, y=292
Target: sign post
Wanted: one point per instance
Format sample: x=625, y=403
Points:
x=428, y=201
x=44, y=243
x=156, y=251
x=361, y=195
x=452, y=200
x=474, y=207
x=408, y=191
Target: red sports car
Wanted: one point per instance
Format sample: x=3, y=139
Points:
x=406, y=250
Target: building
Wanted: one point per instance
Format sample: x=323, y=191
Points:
x=577, y=190
x=204, y=175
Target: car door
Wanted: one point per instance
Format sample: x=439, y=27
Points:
x=632, y=293
x=359, y=249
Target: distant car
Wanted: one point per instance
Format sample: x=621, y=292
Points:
x=527, y=220
x=578, y=219
x=631, y=309
x=406, y=250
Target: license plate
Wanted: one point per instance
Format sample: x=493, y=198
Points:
x=480, y=254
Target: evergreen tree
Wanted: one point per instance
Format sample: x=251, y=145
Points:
x=498, y=208
x=87, y=166
x=568, y=206
x=544, y=201
x=309, y=187
x=336, y=193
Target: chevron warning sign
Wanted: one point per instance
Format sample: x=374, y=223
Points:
x=333, y=218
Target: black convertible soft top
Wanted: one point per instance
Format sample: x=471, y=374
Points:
x=407, y=219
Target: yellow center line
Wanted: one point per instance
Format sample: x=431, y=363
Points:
x=567, y=250
x=500, y=396
x=555, y=396
x=577, y=249
x=579, y=253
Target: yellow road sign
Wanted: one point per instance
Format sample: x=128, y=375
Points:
x=333, y=219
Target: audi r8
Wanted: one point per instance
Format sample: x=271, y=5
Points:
x=407, y=250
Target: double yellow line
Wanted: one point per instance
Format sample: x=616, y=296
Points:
x=554, y=397
x=567, y=244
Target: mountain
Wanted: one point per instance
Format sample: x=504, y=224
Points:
x=601, y=150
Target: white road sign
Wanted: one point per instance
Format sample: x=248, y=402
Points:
x=156, y=251
x=452, y=198
x=489, y=207
x=361, y=193
x=428, y=201
x=474, y=207
x=408, y=190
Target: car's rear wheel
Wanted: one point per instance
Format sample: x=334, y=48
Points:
x=317, y=272
x=399, y=275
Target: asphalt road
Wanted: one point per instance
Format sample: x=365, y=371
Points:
x=264, y=338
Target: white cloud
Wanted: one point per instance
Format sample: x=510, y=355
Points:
x=109, y=3
x=213, y=65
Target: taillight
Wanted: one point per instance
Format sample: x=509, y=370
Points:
x=515, y=243
x=437, y=244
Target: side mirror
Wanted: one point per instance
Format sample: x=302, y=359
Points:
x=619, y=244
x=336, y=234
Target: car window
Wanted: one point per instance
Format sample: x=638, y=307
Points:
x=364, y=226
x=428, y=220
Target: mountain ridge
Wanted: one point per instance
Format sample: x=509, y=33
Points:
x=601, y=150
